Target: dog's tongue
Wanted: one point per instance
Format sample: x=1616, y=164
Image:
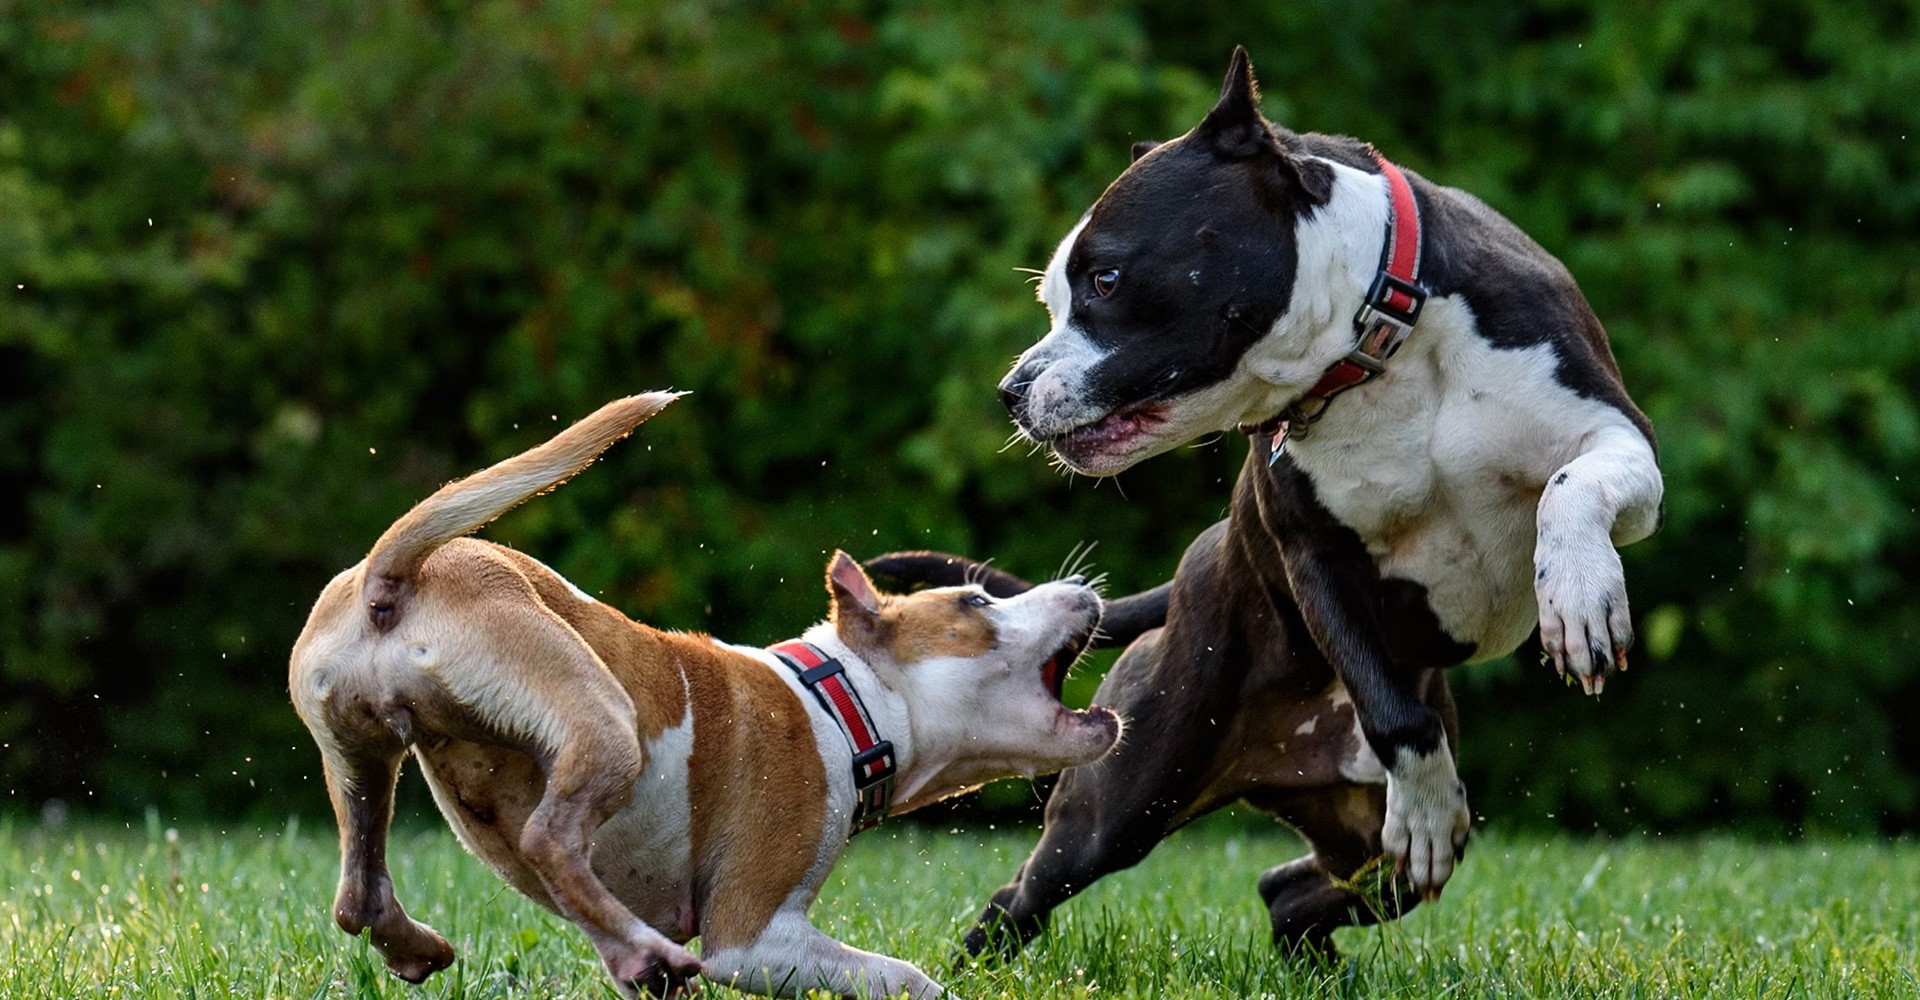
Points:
x=1050, y=675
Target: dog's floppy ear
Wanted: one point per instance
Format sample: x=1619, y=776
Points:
x=1236, y=130
x=1143, y=147
x=906, y=572
x=856, y=605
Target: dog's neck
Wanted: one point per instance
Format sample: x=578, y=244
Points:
x=927, y=752
x=1338, y=254
x=886, y=704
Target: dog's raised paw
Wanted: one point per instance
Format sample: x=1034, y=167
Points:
x=1585, y=628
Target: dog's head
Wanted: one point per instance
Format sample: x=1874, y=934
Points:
x=1167, y=294
x=981, y=677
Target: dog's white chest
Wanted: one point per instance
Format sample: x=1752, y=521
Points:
x=1442, y=483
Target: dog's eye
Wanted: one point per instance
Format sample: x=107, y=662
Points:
x=1106, y=281
x=976, y=600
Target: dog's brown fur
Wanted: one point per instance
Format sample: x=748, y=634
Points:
x=649, y=786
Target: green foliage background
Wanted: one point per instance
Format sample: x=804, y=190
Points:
x=275, y=270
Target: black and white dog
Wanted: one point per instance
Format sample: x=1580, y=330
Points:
x=1459, y=490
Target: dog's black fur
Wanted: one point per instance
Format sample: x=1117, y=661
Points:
x=1281, y=653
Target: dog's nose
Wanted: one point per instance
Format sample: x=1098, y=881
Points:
x=1013, y=390
x=1077, y=579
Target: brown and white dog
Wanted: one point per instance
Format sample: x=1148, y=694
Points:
x=649, y=786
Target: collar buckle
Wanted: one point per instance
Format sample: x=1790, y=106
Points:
x=1385, y=318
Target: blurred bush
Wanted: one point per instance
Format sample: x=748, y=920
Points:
x=276, y=270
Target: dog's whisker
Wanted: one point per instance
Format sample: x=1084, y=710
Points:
x=1207, y=441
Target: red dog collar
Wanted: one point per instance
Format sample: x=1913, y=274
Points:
x=873, y=761
x=1385, y=318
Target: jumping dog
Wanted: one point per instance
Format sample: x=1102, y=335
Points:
x=1444, y=459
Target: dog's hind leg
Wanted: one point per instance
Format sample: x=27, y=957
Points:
x=360, y=779
x=1345, y=881
x=528, y=676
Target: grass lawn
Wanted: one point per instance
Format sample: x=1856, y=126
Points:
x=98, y=910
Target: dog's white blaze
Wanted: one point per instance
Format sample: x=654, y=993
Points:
x=1055, y=291
x=1057, y=395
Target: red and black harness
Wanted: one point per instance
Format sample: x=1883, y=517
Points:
x=873, y=760
x=1384, y=319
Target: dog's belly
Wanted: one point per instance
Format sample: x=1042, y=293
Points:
x=1476, y=576
x=642, y=852
x=487, y=791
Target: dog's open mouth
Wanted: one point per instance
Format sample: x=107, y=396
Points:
x=1053, y=673
x=1112, y=432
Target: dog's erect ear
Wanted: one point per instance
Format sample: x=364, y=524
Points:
x=856, y=605
x=1234, y=129
x=1143, y=147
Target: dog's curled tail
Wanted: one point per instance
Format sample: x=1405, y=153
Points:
x=464, y=505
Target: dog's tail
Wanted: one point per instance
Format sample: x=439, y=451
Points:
x=464, y=505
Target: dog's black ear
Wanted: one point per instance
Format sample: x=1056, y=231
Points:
x=1235, y=129
x=1143, y=147
x=906, y=572
x=856, y=605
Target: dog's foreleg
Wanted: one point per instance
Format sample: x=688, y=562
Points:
x=360, y=781
x=791, y=957
x=1427, y=821
x=1608, y=496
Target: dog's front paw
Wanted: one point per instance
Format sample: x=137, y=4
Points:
x=1582, y=591
x=1427, y=818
